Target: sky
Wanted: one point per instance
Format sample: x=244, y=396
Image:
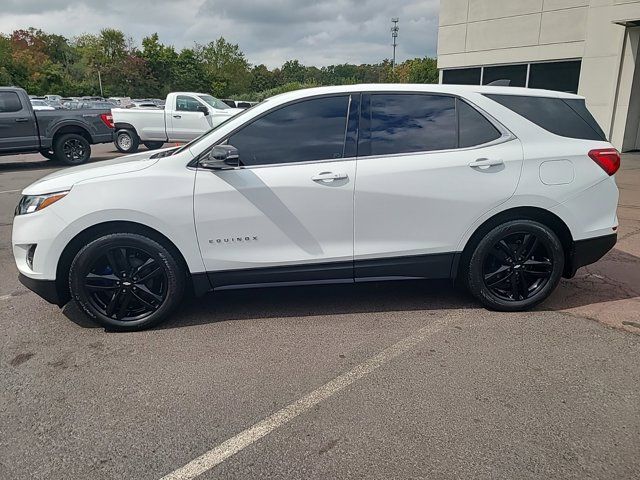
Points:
x=321, y=32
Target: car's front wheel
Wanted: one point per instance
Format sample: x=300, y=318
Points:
x=516, y=265
x=126, y=281
x=126, y=141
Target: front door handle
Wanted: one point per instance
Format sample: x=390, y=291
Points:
x=177, y=116
x=327, y=177
x=22, y=119
x=486, y=162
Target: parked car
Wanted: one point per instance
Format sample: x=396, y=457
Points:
x=40, y=104
x=64, y=135
x=186, y=116
x=53, y=98
x=503, y=189
x=122, y=102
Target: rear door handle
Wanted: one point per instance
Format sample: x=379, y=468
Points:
x=486, y=162
x=327, y=177
x=177, y=116
x=22, y=119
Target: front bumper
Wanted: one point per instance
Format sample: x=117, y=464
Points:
x=588, y=251
x=46, y=289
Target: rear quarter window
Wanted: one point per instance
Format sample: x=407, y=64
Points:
x=9, y=102
x=565, y=117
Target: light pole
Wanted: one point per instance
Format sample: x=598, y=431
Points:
x=394, y=35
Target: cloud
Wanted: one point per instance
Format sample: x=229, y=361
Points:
x=268, y=31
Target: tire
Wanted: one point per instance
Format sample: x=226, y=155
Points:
x=126, y=141
x=48, y=155
x=72, y=149
x=516, y=266
x=153, y=145
x=105, y=282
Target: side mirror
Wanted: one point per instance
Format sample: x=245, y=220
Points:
x=221, y=157
x=204, y=110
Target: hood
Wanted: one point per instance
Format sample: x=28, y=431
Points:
x=233, y=111
x=65, y=178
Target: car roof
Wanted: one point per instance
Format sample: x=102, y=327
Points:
x=421, y=87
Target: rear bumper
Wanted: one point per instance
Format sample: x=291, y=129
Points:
x=588, y=251
x=44, y=288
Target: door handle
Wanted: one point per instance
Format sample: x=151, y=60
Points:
x=22, y=119
x=486, y=162
x=177, y=116
x=329, y=177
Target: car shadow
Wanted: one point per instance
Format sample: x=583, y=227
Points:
x=45, y=164
x=605, y=281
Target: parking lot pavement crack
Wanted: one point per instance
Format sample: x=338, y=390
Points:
x=235, y=444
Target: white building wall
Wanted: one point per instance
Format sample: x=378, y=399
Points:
x=490, y=32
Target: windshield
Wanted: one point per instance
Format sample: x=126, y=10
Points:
x=206, y=134
x=214, y=102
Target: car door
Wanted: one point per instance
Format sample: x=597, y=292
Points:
x=187, y=122
x=428, y=166
x=17, y=124
x=286, y=214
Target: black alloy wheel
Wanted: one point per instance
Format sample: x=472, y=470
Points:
x=126, y=283
x=72, y=149
x=516, y=265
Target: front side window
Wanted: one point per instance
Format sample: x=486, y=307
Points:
x=9, y=102
x=403, y=123
x=214, y=102
x=187, y=104
x=305, y=131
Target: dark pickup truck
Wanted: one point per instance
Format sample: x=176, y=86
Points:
x=64, y=135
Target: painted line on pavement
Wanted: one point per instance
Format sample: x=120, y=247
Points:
x=235, y=444
x=11, y=191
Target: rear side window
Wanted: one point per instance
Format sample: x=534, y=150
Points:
x=565, y=117
x=402, y=123
x=473, y=127
x=9, y=102
x=301, y=132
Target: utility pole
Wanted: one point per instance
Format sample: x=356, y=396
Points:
x=394, y=35
x=100, y=82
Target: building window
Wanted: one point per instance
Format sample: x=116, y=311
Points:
x=515, y=74
x=462, y=76
x=561, y=76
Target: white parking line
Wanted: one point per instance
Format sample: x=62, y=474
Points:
x=254, y=433
x=10, y=191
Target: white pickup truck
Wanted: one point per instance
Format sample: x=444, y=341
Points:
x=186, y=115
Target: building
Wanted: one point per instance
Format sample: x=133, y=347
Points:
x=586, y=46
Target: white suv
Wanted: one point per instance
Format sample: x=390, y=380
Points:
x=504, y=189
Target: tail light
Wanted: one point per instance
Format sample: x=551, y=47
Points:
x=107, y=118
x=607, y=158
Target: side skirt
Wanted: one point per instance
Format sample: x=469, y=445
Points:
x=432, y=266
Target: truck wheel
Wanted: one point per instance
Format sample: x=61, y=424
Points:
x=127, y=141
x=153, y=145
x=72, y=149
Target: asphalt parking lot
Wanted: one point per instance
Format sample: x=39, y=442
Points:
x=389, y=380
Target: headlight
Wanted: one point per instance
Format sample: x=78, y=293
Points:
x=34, y=203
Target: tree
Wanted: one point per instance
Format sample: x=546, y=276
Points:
x=226, y=67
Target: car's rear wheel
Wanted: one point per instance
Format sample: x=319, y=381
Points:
x=126, y=281
x=153, y=145
x=516, y=265
x=126, y=141
x=72, y=149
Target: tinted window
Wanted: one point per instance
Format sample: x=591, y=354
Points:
x=474, y=128
x=462, y=76
x=187, y=104
x=560, y=76
x=553, y=114
x=301, y=132
x=515, y=74
x=412, y=123
x=10, y=102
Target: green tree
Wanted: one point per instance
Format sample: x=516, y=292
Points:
x=226, y=67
